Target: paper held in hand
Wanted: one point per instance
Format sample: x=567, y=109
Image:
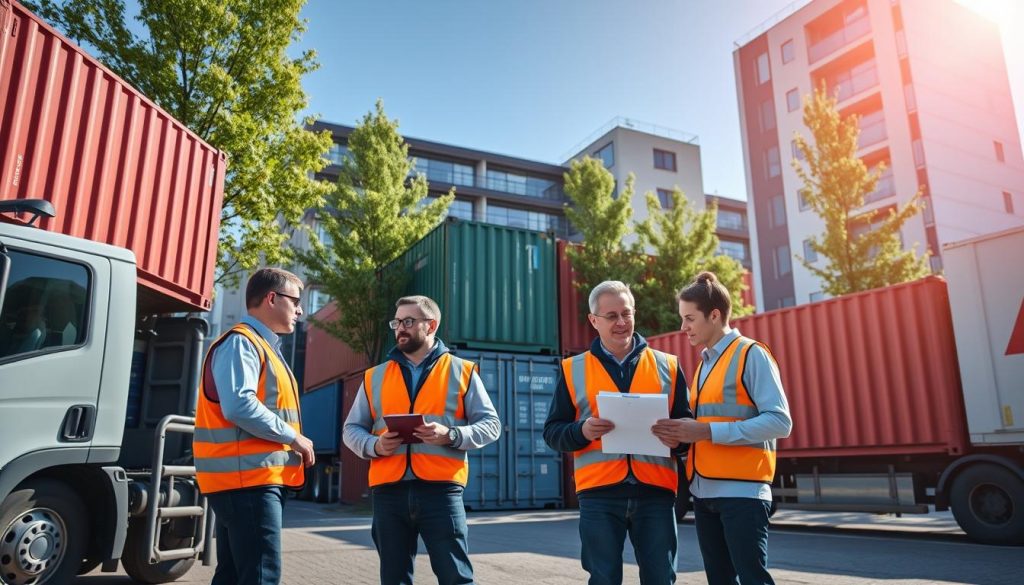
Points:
x=633, y=416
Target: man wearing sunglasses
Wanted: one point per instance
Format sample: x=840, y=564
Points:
x=619, y=494
x=248, y=443
x=417, y=487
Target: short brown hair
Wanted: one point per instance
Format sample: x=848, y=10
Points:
x=426, y=304
x=267, y=280
x=708, y=294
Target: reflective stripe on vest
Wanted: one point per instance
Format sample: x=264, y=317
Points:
x=441, y=399
x=655, y=374
x=229, y=458
x=724, y=398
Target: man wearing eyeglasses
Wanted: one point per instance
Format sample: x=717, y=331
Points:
x=417, y=487
x=248, y=443
x=619, y=494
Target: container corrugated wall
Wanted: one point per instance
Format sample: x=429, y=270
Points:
x=117, y=168
x=872, y=373
x=519, y=470
x=575, y=332
x=495, y=285
x=355, y=471
x=327, y=357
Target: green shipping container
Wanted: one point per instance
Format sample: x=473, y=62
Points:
x=495, y=285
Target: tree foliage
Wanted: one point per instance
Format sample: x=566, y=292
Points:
x=860, y=249
x=374, y=215
x=221, y=67
x=684, y=244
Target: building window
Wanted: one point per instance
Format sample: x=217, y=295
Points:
x=606, y=155
x=927, y=214
x=665, y=198
x=999, y=151
x=730, y=220
x=771, y=162
x=767, y=116
x=793, y=100
x=787, y=302
x=777, y=211
x=817, y=296
x=735, y=250
x=936, y=263
x=809, y=253
x=461, y=209
x=764, y=73
x=337, y=153
x=788, y=52
x=918, y=149
x=802, y=201
x=664, y=159
x=909, y=97
x=901, y=44
x=318, y=299
x=783, y=265
x=1008, y=202
x=797, y=153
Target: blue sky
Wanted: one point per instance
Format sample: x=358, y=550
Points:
x=533, y=78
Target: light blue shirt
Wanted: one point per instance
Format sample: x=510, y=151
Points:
x=761, y=378
x=236, y=371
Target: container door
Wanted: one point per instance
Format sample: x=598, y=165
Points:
x=535, y=476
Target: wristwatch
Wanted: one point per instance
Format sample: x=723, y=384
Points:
x=453, y=436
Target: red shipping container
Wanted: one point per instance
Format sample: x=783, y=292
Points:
x=327, y=357
x=355, y=479
x=872, y=373
x=116, y=167
x=575, y=332
x=748, y=296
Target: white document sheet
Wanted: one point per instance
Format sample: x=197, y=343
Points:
x=633, y=415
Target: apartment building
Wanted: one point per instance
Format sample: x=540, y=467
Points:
x=927, y=79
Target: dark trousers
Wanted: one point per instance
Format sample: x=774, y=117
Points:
x=248, y=525
x=650, y=522
x=409, y=509
x=733, y=538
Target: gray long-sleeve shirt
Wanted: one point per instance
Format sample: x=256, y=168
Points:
x=763, y=383
x=236, y=371
x=484, y=426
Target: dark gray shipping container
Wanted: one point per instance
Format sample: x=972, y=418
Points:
x=519, y=471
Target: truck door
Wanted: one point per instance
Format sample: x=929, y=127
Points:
x=52, y=337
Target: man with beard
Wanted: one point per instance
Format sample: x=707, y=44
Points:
x=417, y=487
x=619, y=494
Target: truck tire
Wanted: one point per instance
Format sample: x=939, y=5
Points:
x=42, y=534
x=136, y=558
x=988, y=503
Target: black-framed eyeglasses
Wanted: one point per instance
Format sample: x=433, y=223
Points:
x=406, y=323
x=626, y=316
x=295, y=300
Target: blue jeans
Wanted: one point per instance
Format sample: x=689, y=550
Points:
x=733, y=537
x=651, y=524
x=248, y=525
x=408, y=509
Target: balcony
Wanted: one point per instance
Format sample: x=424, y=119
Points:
x=886, y=188
x=872, y=130
x=855, y=81
x=523, y=185
x=855, y=27
x=445, y=172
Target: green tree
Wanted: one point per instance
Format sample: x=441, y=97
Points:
x=684, y=243
x=221, y=67
x=374, y=215
x=861, y=249
x=603, y=221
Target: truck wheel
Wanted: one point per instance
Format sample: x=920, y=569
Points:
x=988, y=503
x=42, y=534
x=136, y=557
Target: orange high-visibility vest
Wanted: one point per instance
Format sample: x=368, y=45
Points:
x=724, y=398
x=229, y=458
x=586, y=377
x=440, y=399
